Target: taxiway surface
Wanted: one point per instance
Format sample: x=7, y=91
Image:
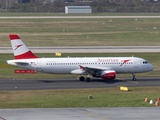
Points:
x=74, y=83
x=124, y=113
x=89, y=49
x=64, y=17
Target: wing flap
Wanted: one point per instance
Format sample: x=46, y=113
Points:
x=96, y=68
x=89, y=70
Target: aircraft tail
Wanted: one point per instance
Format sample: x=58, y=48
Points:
x=20, y=50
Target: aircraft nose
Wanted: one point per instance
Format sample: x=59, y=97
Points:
x=150, y=67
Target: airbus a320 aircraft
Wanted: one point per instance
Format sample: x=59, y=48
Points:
x=102, y=67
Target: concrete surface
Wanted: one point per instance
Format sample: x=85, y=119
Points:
x=64, y=17
x=89, y=49
x=126, y=113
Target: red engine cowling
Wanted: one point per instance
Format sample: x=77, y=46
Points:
x=109, y=74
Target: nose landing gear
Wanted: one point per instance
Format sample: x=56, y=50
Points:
x=134, y=77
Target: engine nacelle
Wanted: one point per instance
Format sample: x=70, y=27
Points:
x=109, y=74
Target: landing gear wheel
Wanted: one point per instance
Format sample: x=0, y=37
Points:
x=134, y=77
x=81, y=78
x=88, y=79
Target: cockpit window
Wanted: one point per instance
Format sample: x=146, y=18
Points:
x=145, y=62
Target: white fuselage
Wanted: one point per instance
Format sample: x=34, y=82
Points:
x=67, y=65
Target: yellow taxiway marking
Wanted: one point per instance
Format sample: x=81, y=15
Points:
x=96, y=116
x=7, y=66
x=127, y=80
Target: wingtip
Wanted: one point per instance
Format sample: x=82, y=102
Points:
x=13, y=37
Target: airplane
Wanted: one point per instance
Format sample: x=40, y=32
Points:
x=100, y=67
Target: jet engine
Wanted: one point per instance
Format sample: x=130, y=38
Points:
x=108, y=74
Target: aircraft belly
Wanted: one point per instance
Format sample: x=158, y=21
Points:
x=129, y=70
x=124, y=69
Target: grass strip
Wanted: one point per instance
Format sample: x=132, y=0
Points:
x=73, y=98
x=82, y=32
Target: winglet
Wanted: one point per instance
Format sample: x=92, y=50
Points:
x=81, y=67
x=20, y=50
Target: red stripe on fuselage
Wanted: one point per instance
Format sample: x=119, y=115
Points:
x=27, y=55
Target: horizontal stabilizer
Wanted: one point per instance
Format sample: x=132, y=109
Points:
x=17, y=63
x=21, y=63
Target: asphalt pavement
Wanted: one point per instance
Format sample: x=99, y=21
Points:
x=74, y=83
x=89, y=49
x=64, y=17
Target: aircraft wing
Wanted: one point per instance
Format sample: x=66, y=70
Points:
x=90, y=69
x=87, y=69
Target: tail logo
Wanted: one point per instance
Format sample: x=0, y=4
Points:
x=17, y=46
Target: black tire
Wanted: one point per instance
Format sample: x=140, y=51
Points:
x=134, y=79
x=81, y=78
x=88, y=79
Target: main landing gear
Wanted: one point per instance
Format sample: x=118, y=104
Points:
x=88, y=79
x=82, y=78
x=134, y=76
